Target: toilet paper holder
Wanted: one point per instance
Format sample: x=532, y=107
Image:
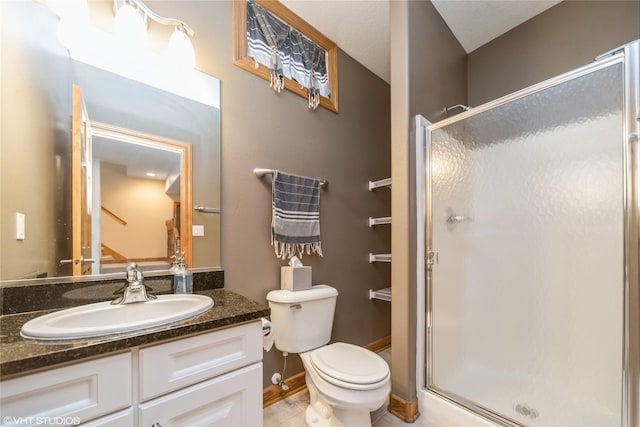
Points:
x=267, y=334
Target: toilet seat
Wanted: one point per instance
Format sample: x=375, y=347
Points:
x=350, y=366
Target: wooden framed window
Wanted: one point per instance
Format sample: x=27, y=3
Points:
x=270, y=40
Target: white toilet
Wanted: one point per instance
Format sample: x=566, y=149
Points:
x=345, y=382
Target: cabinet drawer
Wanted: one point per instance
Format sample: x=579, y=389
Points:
x=177, y=364
x=233, y=399
x=82, y=392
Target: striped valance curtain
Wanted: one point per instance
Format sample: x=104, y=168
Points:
x=287, y=53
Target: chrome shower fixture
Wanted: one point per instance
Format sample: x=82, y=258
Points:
x=464, y=107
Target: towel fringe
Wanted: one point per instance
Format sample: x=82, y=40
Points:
x=288, y=250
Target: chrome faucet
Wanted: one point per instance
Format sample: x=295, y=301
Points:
x=134, y=290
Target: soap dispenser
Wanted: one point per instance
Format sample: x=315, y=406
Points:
x=182, y=279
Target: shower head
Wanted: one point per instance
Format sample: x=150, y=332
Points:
x=464, y=107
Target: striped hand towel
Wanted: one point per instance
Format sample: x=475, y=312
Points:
x=295, y=223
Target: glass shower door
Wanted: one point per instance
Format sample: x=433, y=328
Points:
x=527, y=217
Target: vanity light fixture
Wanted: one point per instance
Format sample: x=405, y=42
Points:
x=130, y=25
x=74, y=18
x=180, y=47
x=131, y=20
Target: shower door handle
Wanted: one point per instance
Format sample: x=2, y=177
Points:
x=457, y=218
x=433, y=258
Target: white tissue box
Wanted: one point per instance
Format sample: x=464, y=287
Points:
x=295, y=278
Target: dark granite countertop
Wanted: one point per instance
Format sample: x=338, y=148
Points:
x=20, y=356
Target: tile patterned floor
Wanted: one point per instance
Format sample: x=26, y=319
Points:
x=290, y=411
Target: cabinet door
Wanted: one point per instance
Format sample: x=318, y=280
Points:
x=78, y=392
x=120, y=419
x=178, y=364
x=234, y=399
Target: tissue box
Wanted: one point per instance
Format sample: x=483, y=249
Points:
x=295, y=278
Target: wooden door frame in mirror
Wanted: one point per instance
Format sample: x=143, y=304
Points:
x=247, y=63
x=186, y=183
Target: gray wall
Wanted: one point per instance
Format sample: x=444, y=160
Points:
x=428, y=71
x=263, y=129
x=437, y=63
x=564, y=37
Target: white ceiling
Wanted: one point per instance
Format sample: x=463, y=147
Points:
x=361, y=27
x=358, y=27
x=475, y=22
x=137, y=159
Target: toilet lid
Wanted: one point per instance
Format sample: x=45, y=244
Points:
x=349, y=365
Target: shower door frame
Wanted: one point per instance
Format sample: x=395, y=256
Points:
x=628, y=55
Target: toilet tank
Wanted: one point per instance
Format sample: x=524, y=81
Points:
x=302, y=320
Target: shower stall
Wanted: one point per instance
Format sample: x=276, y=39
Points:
x=528, y=301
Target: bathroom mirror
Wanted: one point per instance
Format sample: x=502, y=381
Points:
x=131, y=200
x=35, y=146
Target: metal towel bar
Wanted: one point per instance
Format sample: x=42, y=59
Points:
x=260, y=172
x=204, y=209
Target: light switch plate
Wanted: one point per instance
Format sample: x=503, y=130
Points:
x=20, y=226
x=198, y=230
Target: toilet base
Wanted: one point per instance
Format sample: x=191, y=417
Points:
x=338, y=418
x=320, y=414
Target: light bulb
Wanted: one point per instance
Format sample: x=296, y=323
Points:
x=71, y=32
x=74, y=20
x=76, y=10
x=129, y=26
x=181, y=49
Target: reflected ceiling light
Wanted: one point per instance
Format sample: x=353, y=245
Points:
x=135, y=14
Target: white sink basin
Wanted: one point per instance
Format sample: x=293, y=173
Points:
x=94, y=320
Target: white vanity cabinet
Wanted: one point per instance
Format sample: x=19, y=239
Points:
x=68, y=395
x=234, y=399
x=225, y=367
x=212, y=379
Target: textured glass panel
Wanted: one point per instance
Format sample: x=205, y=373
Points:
x=527, y=214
